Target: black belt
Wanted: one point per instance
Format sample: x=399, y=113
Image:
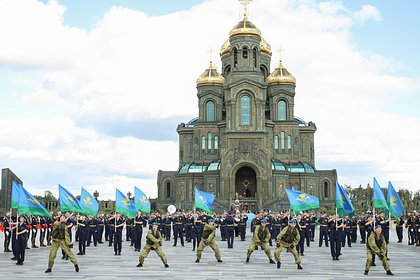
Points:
x=230, y=225
x=323, y=225
x=178, y=223
x=92, y=226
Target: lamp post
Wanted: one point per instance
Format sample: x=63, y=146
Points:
x=96, y=195
x=129, y=195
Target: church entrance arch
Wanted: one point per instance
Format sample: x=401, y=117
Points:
x=246, y=182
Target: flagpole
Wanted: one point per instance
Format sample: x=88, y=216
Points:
x=336, y=213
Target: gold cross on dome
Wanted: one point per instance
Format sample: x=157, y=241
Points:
x=245, y=4
x=280, y=52
x=211, y=52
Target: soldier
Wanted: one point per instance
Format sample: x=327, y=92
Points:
x=411, y=230
x=376, y=245
x=230, y=229
x=34, y=230
x=313, y=224
x=100, y=228
x=335, y=226
x=223, y=226
x=354, y=229
x=399, y=228
x=167, y=224
x=7, y=233
x=362, y=228
x=92, y=231
x=179, y=222
x=139, y=223
x=119, y=225
x=323, y=229
x=111, y=229
x=129, y=224
x=242, y=226
x=288, y=239
x=59, y=239
x=22, y=229
x=189, y=225
x=207, y=239
x=42, y=231
x=348, y=223
x=82, y=232
x=301, y=226
x=154, y=243
x=260, y=238
x=384, y=223
x=417, y=227
x=69, y=225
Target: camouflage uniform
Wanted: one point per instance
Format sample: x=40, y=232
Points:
x=207, y=239
x=260, y=238
x=60, y=238
x=154, y=243
x=287, y=239
x=376, y=245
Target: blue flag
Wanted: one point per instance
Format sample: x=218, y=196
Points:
x=28, y=205
x=141, y=201
x=395, y=206
x=88, y=203
x=378, y=196
x=301, y=201
x=15, y=194
x=124, y=206
x=342, y=201
x=68, y=203
x=204, y=200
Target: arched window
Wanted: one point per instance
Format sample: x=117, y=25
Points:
x=282, y=140
x=289, y=142
x=209, y=140
x=245, y=110
x=227, y=70
x=168, y=189
x=264, y=71
x=235, y=57
x=216, y=142
x=210, y=111
x=326, y=187
x=281, y=114
x=276, y=142
x=203, y=142
x=245, y=52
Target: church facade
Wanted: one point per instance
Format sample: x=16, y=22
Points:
x=246, y=146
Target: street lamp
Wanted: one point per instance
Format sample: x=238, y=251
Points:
x=96, y=195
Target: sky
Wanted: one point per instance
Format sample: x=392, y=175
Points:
x=91, y=91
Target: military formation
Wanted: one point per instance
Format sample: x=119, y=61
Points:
x=283, y=231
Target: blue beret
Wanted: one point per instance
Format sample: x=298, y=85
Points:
x=210, y=220
x=293, y=221
x=264, y=221
x=154, y=224
x=378, y=226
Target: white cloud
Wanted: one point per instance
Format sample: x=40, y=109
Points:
x=368, y=12
x=130, y=66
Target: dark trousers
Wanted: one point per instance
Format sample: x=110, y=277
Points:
x=188, y=233
x=111, y=232
x=195, y=239
x=323, y=235
x=301, y=245
x=20, y=250
x=362, y=231
x=167, y=232
x=242, y=232
x=92, y=235
x=99, y=233
x=107, y=233
x=178, y=234
x=353, y=234
x=346, y=234
x=223, y=232
x=399, y=233
x=335, y=244
x=230, y=235
x=305, y=234
x=14, y=246
x=82, y=240
x=385, y=233
x=117, y=241
x=128, y=233
x=138, y=233
x=312, y=232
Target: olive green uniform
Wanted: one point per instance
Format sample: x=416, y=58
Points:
x=376, y=245
x=287, y=239
x=207, y=239
x=260, y=238
x=153, y=243
x=60, y=238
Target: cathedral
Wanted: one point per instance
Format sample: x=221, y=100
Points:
x=246, y=146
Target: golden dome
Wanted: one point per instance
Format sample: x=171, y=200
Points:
x=281, y=76
x=245, y=27
x=264, y=47
x=225, y=48
x=210, y=77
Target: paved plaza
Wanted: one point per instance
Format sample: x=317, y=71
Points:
x=100, y=263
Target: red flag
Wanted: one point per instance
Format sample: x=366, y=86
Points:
x=38, y=226
x=1, y=228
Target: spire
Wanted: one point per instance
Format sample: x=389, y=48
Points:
x=245, y=4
